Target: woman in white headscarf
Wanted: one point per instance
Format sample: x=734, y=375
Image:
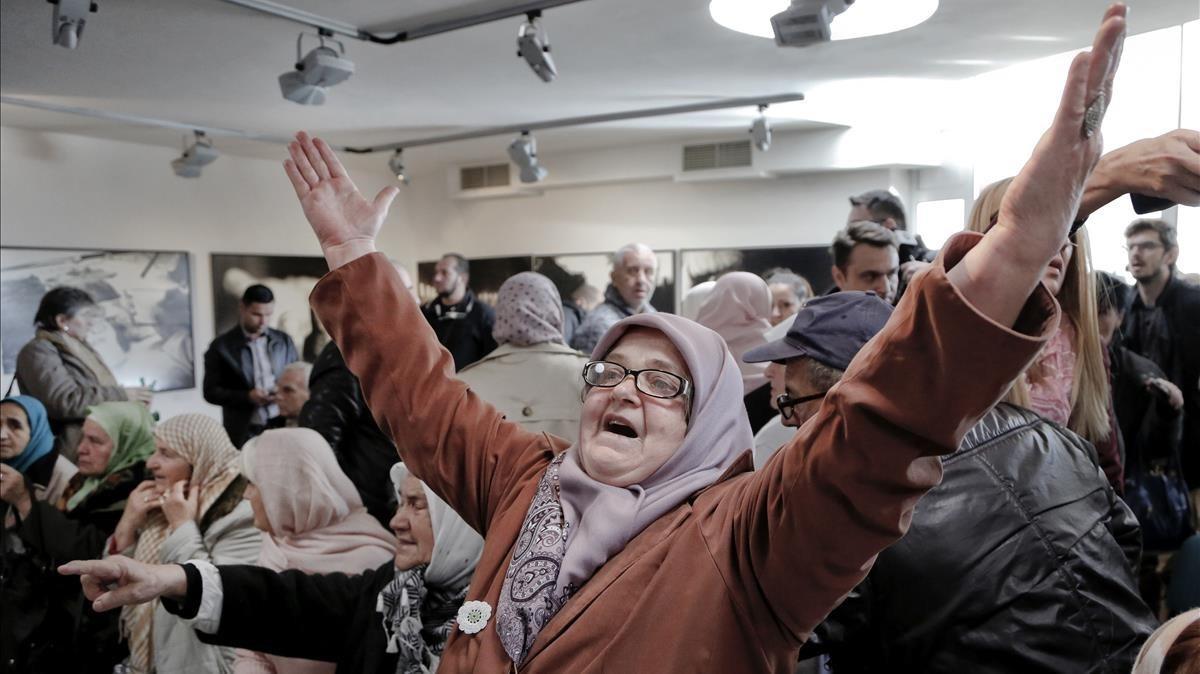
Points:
x=533, y=376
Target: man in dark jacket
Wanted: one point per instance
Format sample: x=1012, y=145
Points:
x=463, y=323
x=1022, y=559
x=1163, y=324
x=240, y=367
x=336, y=409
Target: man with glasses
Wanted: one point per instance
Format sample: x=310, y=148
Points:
x=826, y=335
x=1163, y=324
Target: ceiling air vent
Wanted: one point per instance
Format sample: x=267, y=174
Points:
x=716, y=156
x=480, y=177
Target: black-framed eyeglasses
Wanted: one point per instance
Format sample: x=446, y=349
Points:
x=786, y=403
x=654, y=383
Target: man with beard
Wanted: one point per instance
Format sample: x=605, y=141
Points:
x=1163, y=324
x=462, y=322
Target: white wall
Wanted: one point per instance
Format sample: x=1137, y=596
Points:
x=69, y=191
x=60, y=190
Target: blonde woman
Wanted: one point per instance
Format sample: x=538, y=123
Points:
x=1068, y=384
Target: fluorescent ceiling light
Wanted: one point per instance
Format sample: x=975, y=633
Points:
x=862, y=19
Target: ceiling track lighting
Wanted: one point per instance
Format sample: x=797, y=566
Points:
x=420, y=30
x=68, y=20
x=523, y=152
x=760, y=130
x=201, y=153
x=533, y=45
x=317, y=70
x=396, y=166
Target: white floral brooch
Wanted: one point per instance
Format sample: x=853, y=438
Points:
x=473, y=616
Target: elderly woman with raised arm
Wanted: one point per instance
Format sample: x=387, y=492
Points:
x=647, y=543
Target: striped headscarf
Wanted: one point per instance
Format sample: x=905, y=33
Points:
x=215, y=462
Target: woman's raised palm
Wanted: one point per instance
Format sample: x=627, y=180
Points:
x=336, y=210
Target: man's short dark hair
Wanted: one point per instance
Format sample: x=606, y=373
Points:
x=61, y=300
x=863, y=231
x=460, y=263
x=882, y=204
x=1112, y=294
x=257, y=294
x=1165, y=230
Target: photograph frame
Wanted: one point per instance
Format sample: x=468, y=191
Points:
x=188, y=378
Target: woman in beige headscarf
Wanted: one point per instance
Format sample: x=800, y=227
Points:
x=63, y=371
x=194, y=510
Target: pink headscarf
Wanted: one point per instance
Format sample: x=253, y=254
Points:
x=603, y=518
x=528, y=311
x=318, y=520
x=318, y=523
x=738, y=309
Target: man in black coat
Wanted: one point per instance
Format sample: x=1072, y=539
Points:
x=463, y=323
x=337, y=410
x=240, y=366
x=1163, y=324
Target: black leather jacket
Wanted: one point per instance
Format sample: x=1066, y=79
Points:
x=1019, y=561
x=336, y=409
x=229, y=376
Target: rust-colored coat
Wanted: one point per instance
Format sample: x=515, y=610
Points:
x=733, y=579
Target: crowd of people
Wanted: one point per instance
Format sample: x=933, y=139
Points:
x=984, y=458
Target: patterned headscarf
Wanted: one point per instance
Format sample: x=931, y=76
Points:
x=547, y=565
x=131, y=429
x=215, y=462
x=41, y=439
x=528, y=311
x=420, y=604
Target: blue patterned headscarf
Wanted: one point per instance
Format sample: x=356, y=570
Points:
x=41, y=440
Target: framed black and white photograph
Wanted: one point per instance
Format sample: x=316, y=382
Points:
x=290, y=278
x=811, y=262
x=487, y=275
x=145, y=298
x=570, y=272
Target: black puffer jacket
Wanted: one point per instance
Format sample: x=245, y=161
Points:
x=1019, y=561
x=336, y=409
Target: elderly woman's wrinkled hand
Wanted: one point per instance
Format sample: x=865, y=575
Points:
x=181, y=504
x=1044, y=197
x=119, y=581
x=345, y=223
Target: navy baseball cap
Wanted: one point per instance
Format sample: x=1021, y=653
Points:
x=830, y=329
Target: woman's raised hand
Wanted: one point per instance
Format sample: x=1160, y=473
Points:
x=120, y=581
x=1044, y=197
x=997, y=275
x=345, y=223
